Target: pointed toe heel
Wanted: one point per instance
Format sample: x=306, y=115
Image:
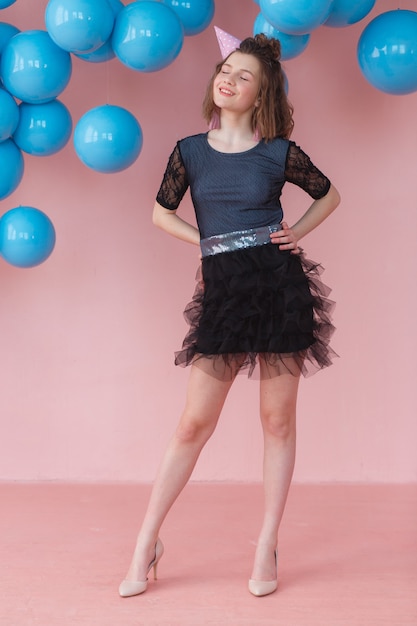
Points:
x=130, y=588
x=262, y=587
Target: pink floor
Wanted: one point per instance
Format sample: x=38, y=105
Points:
x=347, y=555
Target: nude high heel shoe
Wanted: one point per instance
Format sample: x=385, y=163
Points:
x=263, y=587
x=135, y=587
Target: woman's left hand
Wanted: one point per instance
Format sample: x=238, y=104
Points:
x=285, y=239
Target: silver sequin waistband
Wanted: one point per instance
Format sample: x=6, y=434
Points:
x=237, y=240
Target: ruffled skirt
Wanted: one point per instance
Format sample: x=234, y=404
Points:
x=258, y=306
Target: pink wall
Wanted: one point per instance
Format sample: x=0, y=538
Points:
x=89, y=391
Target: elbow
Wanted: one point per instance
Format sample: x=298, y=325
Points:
x=335, y=197
x=161, y=216
x=156, y=218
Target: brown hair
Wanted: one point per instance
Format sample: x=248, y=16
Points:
x=273, y=116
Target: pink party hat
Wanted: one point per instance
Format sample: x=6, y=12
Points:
x=227, y=43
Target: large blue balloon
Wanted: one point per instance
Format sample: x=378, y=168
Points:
x=296, y=17
x=27, y=236
x=9, y=115
x=6, y=3
x=6, y=32
x=101, y=55
x=34, y=69
x=108, y=139
x=79, y=26
x=195, y=15
x=43, y=129
x=147, y=36
x=347, y=12
x=291, y=45
x=116, y=6
x=105, y=52
x=11, y=167
x=387, y=52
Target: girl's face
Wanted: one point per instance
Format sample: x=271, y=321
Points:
x=236, y=86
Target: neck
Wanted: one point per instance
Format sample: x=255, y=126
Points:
x=235, y=128
x=232, y=136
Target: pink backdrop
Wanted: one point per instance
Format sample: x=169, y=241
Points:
x=89, y=391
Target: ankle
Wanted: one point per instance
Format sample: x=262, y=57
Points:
x=265, y=563
x=146, y=542
x=267, y=542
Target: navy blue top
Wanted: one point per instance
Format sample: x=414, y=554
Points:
x=237, y=191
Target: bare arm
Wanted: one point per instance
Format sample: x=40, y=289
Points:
x=317, y=213
x=288, y=238
x=172, y=224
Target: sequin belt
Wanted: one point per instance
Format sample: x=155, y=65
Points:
x=237, y=240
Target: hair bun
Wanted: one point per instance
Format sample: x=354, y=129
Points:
x=267, y=47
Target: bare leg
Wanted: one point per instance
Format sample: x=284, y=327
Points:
x=278, y=397
x=205, y=398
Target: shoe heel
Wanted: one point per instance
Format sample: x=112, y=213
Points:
x=159, y=550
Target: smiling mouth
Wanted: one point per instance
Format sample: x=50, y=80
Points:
x=226, y=92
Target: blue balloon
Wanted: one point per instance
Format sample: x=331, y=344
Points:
x=195, y=15
x=147, y=36
x=79, y=26
x=43, y=129
x=387, y=52
x=7, y=31
x=108, y=139
x=347, y=12
x=6, y=3
x=9, y=115
x=296, y=17
x=27, y=236
x=291, y=45
x=34, y=69
x=11, y=167
x=101, y=55
x=116, y=6
x=105, y=52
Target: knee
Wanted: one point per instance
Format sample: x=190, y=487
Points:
x=279, y=423
x=194, y=430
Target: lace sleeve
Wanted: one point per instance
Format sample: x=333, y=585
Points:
x=301, y=171
x=175, y=182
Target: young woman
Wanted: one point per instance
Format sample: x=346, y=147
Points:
x=258, y=303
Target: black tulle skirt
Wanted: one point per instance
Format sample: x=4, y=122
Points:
x=259, y=306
